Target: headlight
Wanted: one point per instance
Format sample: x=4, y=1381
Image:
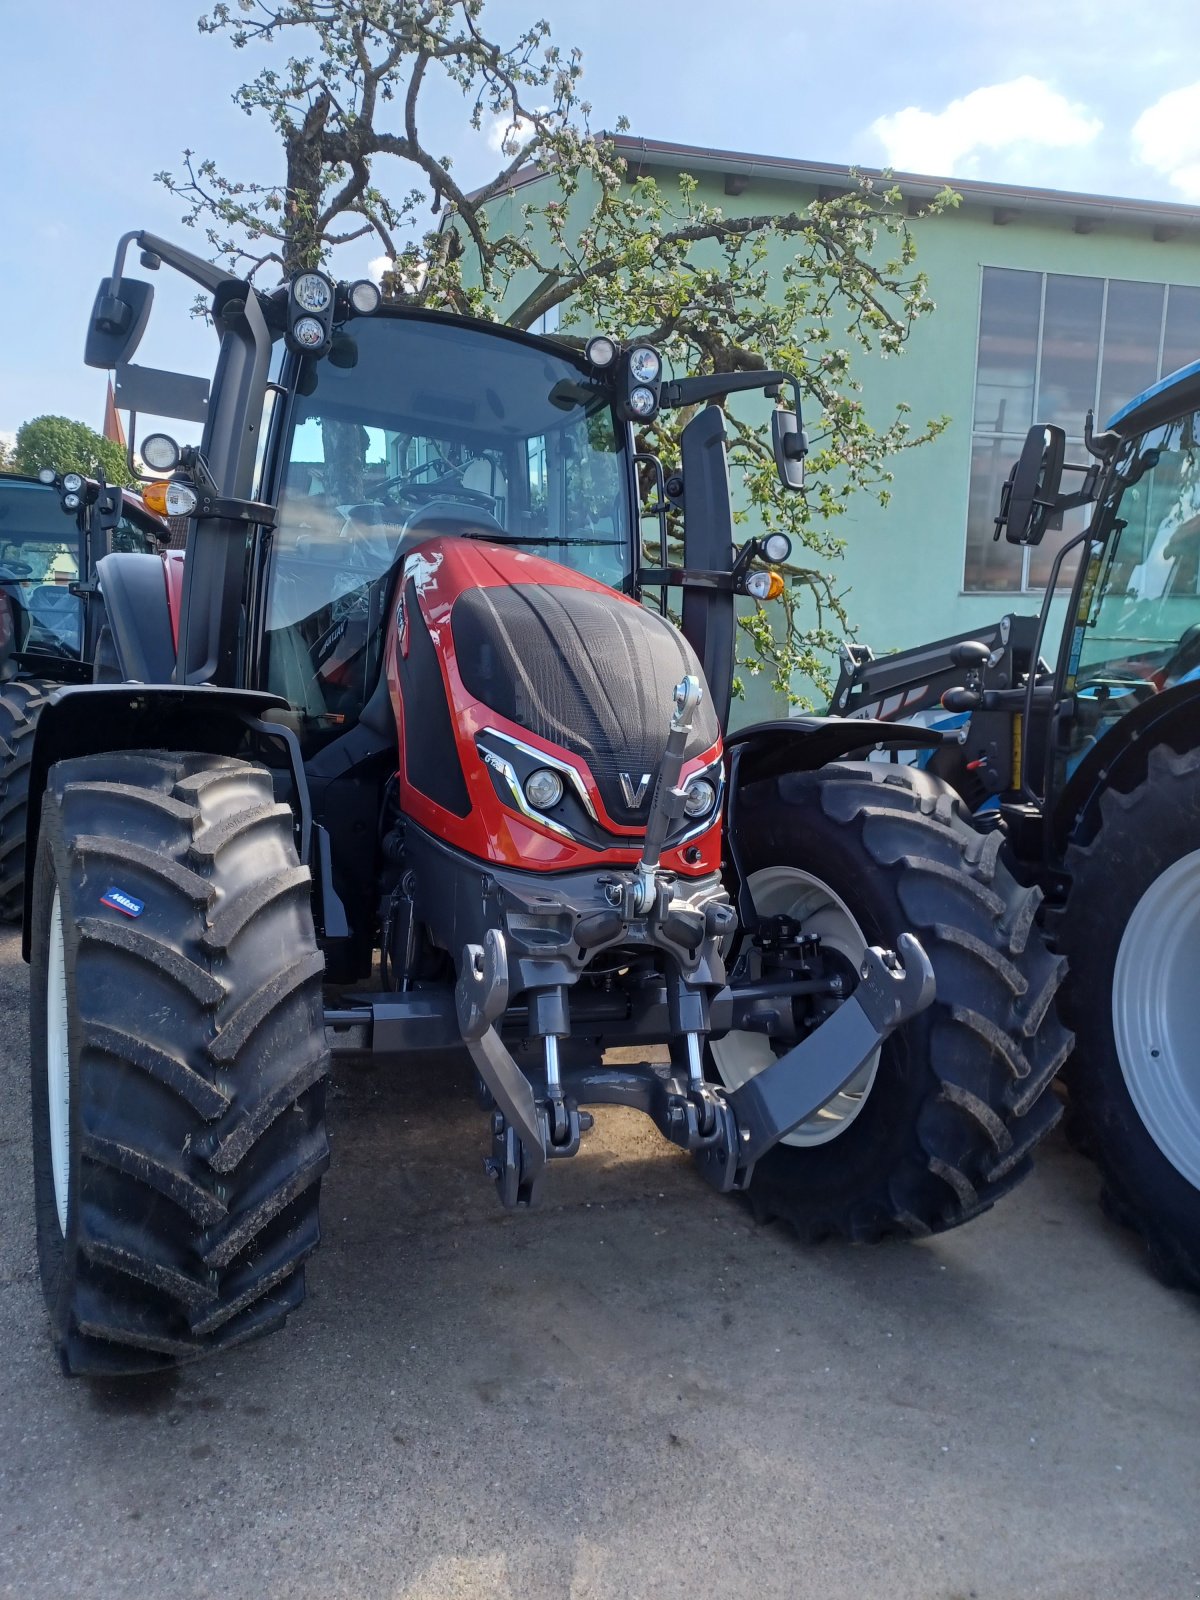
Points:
x=72, y=482
x=308, y=332
x=777, y=547
x=644, y=365
x=46, y=474
x=70, y=502
x=642, y=402
x=181, y=500
x=699, y=798
x=543, y=789
x=600, y=351
x=312, y=292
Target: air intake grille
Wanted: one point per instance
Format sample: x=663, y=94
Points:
x=588, y=672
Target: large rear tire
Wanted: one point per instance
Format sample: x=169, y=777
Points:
x=1131, y=931
x=178, y=1060
x=20, y=703
x=943, y=1122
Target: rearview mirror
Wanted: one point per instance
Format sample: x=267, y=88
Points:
x=117, y=321
x=1029, y=499
x=790, y=444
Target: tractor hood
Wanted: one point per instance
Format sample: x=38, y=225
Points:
x=535, y=659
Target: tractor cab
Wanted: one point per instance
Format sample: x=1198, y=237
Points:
x=422, y=428
x=52, y=528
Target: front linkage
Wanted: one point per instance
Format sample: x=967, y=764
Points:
x=728, y=1130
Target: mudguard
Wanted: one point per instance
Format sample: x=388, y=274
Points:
x=93, y=718
x=1118, y=759
x=801, y=744
x=138, y=616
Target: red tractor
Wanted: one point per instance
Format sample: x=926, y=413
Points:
x=428, y=771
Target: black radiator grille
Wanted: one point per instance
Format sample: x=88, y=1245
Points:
x=590, y=673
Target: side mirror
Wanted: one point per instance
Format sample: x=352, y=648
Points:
x=117, y=321
x=1030, y=497
x=790, y=444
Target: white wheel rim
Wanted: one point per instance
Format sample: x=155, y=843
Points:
x=787, y=891
x=1156, y=1013
x=58, y=1065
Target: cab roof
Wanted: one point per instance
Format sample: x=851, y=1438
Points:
x=1171, y=397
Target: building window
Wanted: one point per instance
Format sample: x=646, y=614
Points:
x=547, y=323
x=1050, y=348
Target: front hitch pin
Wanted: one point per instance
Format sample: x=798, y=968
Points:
x=666, y=804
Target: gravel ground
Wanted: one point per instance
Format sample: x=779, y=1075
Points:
x=632, y=1392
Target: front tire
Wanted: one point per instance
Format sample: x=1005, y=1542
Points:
x=942, y=1123
x=1131, y=931
x=178, y=1060
x=20, y=703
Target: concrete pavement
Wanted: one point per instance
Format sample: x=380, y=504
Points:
x=633, y=1392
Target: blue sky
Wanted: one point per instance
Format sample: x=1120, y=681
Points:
x=1093, y=96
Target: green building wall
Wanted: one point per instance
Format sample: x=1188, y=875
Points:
x=902, y=570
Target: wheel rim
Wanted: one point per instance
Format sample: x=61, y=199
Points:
x=789, y=891
x=1156, y=1013
x=58, y=1068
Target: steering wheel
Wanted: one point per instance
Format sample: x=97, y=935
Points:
x=14, y=569
x=406, y=487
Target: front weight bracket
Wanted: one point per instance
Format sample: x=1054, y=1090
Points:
x=892, y=988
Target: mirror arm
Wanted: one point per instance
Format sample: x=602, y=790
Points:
x=205, y=273
x=716, y=385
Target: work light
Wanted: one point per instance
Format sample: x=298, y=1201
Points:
x=364, y=297
x=160, y=452
x=600, y=351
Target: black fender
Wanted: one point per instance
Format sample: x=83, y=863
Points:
x=90, y=719
x=801, y=744
x=797, y=744
x=1118, y=759
x=137, y=616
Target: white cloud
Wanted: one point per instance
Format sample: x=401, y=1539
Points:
x=1024, y=112
x=1167, y=137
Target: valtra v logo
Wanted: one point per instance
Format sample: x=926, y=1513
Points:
x=634, y=796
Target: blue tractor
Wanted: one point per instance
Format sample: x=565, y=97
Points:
x=1087, y=763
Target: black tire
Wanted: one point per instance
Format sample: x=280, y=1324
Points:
x=959, y=1098
x=195, y=1060
x=20, y=703
x=1141, y=835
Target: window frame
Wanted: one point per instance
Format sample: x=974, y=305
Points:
x=1017, y=439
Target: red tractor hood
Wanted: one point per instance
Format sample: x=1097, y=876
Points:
x=497, y=658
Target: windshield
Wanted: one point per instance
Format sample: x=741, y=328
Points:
x=1139, y=627
x=411, y=428
x=39, y=559
x=1145, y=612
